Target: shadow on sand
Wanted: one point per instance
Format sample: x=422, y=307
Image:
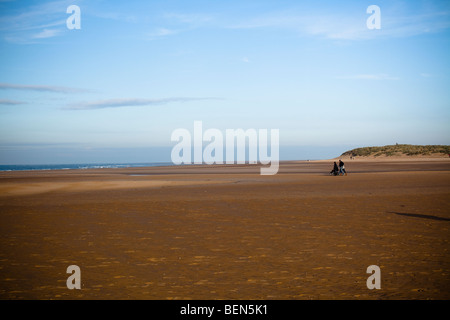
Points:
x=424, y=216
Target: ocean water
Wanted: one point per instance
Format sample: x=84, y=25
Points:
x=80, y=166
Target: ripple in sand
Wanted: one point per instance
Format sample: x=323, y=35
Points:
x=156, y=259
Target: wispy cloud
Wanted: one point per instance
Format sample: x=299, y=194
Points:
x=176, y=23
x=381, y=76
x=43, y=88
x=131, y=102
x=395, y=23
x=46, y=33
x=273, y=20
x=401, y=26
x=160, y=33
x=189, y=18
x=10, y=102
x=34, y=22
x=350, y=26
x=316, y=25
x=117, y=16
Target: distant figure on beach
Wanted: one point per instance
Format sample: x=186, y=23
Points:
x=342, y=168
x=335, y=170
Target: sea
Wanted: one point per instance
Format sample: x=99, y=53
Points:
x=81, y=166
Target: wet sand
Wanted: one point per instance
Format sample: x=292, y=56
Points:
x=226, y=232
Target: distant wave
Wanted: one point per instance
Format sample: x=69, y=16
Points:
x=80, y=166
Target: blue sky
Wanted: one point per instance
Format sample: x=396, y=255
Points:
x=116, y=89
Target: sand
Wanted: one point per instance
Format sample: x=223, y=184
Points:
x=226, y=232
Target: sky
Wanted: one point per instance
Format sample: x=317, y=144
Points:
x=115, y=89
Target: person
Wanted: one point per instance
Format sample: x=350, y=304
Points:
x=335, y=170
x=342, y=168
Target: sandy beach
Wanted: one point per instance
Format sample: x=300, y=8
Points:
x=227, y=232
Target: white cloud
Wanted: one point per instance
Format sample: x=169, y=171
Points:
x=180, y=23
x=130, y=102
x=117, y=16
x=10, y=102
x=41, y=88
x=349, y=27
x=381, y=76
x=34, y=22
x=46, y=33
x=191, y=19
x=162, y=32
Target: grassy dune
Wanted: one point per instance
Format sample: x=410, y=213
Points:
x=399, y=150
